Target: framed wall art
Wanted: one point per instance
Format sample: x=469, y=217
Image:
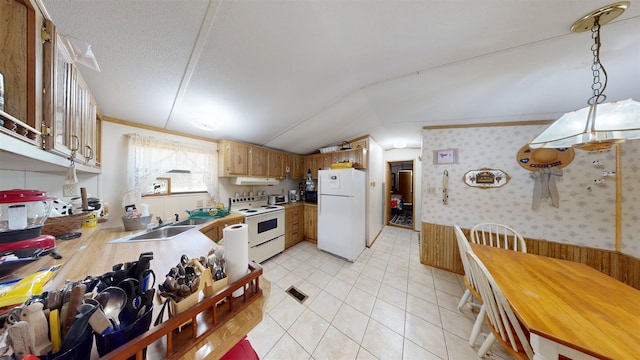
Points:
x=486, y=178
x=446, y=156
x=161, y=186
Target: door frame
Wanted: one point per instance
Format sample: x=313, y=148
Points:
x=387, y=190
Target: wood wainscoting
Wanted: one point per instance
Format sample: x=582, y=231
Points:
x=439, y=249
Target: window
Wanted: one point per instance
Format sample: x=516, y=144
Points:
x=190, y=168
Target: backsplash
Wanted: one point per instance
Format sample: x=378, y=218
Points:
x=586, y=214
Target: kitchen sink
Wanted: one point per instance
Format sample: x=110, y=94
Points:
x=194, y=221
x=162, y=233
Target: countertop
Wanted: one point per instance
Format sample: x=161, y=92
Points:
x=90, y=254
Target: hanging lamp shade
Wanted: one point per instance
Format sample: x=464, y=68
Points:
x=599, y=125
x=594, y=127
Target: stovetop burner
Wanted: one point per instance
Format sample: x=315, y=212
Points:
x=253, y=206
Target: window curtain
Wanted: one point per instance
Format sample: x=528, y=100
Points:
x=149, y=158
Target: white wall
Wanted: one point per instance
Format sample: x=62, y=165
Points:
x=410, y=155
x=114, y=171
x=587, y=212
x=376, y=188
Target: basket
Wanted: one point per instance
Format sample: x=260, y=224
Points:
x=342, y=165
x=138, y=223
x=61, y=225
x=214, y=213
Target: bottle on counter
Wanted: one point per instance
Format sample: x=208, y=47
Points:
x=1, y=92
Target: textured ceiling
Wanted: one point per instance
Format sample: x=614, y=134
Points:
x=300, y=75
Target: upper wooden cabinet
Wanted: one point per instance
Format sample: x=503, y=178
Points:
x=296, y=165
x=18, y=61
x=233, y=158
x=258, y=161
x=276, y=164
x=323, y=161
x=241, y=159
x=70, y=115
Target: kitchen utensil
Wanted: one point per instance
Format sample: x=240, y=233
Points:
x=38, y=328
x=54, y=330
x=113, y=300
x=80, y=328
x=75, y=299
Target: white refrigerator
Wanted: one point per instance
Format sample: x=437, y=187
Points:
x=341, y=212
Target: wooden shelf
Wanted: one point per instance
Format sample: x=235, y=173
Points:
x=167, y=341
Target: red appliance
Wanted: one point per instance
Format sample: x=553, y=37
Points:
x=22, y=216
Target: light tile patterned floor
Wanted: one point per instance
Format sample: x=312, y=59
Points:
x=385, y=305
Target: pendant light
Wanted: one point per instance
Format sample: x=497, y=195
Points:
x=599, y=125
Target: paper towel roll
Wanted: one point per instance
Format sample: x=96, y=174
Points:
x=236, y=253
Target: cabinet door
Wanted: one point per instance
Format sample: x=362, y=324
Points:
x=59, y=81
x=275, y=160
x=298, y=171
x=70, y=112
x=233, y=158
x=258, y=158
x=310, y=223
x=86, y=117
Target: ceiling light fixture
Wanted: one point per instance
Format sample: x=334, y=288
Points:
x=615, y=122
x=205, y=124
x=400, y=145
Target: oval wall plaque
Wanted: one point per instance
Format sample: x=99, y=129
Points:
x=486, y=178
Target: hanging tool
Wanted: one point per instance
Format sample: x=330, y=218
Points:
x=445, y=188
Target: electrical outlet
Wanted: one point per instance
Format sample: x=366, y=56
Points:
x=431, y=190
x=69, y=190
x=199, y=203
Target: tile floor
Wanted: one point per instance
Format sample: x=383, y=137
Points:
x=385, y=305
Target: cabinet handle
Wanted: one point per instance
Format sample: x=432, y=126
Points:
x=76, y=143
x=90, y=152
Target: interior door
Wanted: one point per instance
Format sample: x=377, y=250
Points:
x=405, y=186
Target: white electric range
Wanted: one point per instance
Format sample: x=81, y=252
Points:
x=265, y=225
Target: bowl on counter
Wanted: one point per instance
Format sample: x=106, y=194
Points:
x=138, y=223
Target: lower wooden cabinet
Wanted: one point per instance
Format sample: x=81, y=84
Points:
x=294, y=224
x=214, y=230
x=311, y=223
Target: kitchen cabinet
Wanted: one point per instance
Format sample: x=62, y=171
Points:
x=311, y=223
x=258, y=160
x=214, y=230
x=298, y=171
x=18, y=63
x=71, y=114
x=233, y=158
x=275, y=159
x=294, y=224
x=324, y=161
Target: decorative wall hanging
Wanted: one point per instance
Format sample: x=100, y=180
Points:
x=486, y=178
x=544, y=158
x=161, y=186
x=447, y=156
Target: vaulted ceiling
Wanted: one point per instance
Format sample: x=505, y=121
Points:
x=300, y=75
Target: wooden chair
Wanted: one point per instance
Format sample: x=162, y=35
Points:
x=469, y=283
x=497, y=235
x=505, y=326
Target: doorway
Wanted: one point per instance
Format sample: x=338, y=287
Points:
x=400, y=195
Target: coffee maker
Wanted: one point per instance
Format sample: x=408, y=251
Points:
x=293, y=196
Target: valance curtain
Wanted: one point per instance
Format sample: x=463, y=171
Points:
x=149, y=158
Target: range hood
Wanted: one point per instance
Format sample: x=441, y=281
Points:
x=255, y=181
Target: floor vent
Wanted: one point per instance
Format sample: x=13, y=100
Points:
x=297, y=294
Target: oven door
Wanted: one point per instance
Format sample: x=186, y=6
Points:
x=264, y=227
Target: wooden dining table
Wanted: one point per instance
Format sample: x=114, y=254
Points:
x=571, y=310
